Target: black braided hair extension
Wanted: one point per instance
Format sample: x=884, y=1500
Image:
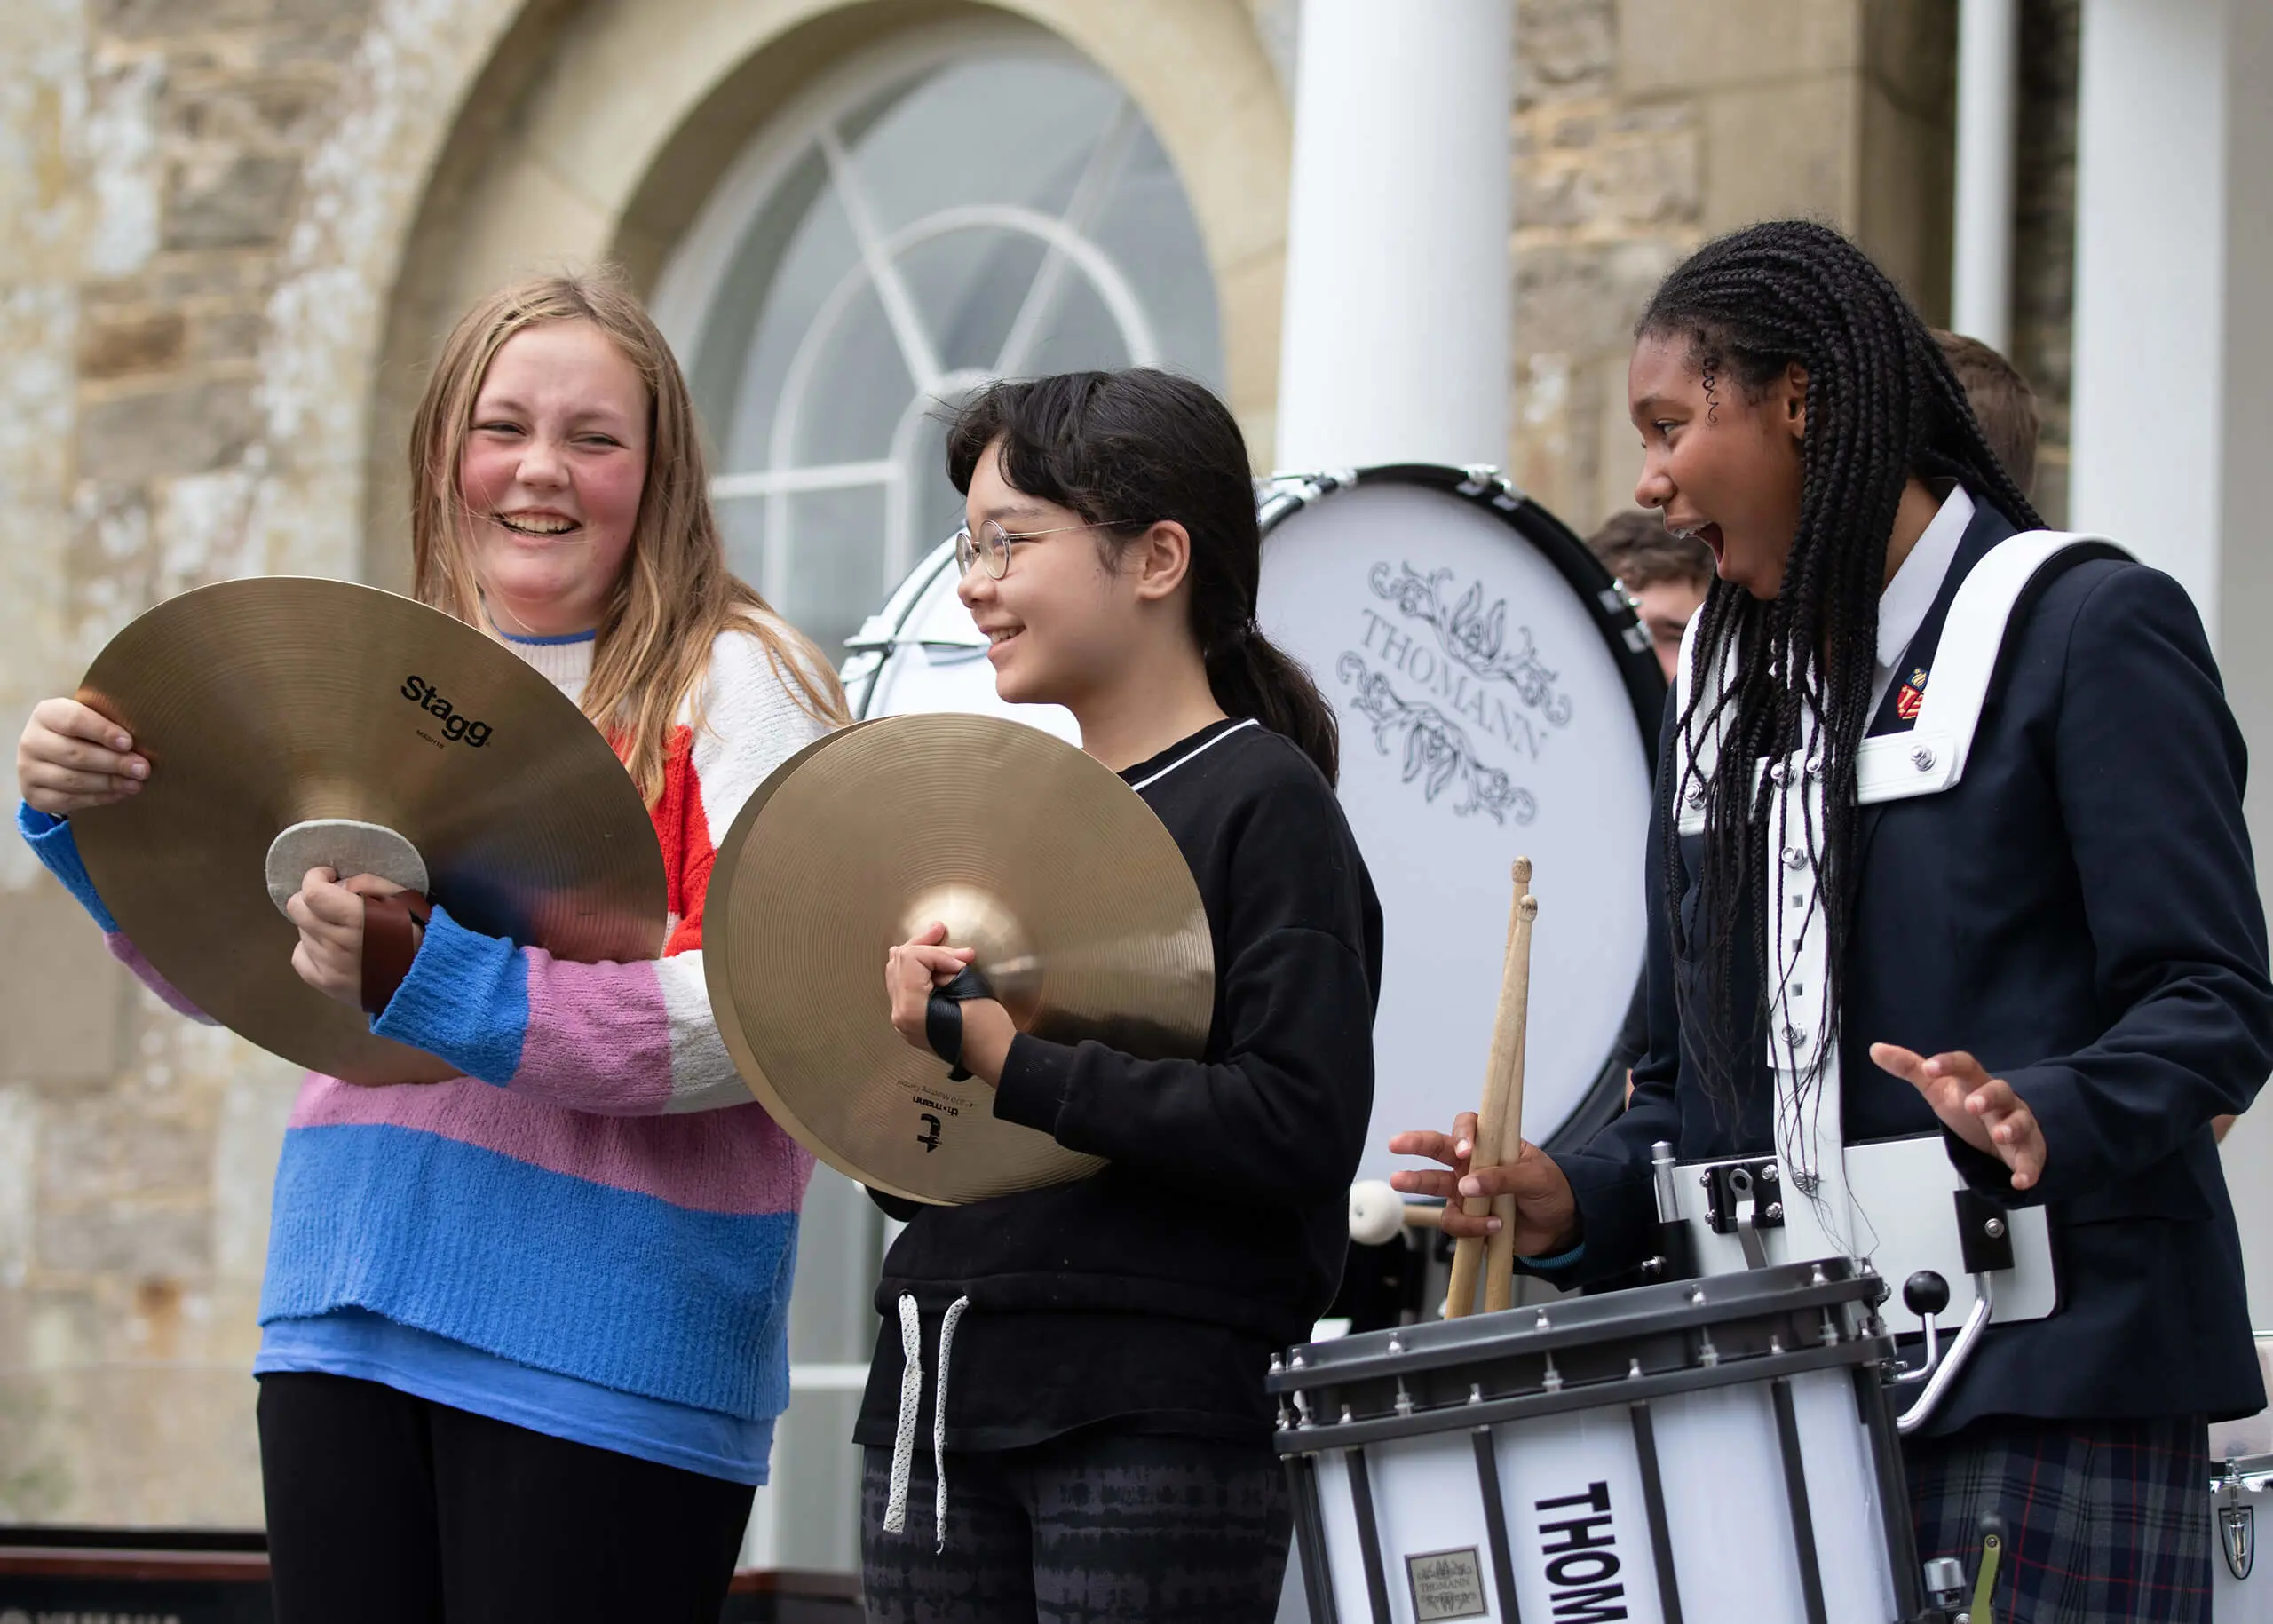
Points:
x=1882, y=405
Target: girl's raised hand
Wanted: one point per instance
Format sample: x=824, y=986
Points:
x=330, y=913
x=72, y=756
x=1979, y=1109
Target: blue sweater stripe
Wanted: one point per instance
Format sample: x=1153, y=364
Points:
x=52, y=842
x=465, y=1000
x=466, y=1243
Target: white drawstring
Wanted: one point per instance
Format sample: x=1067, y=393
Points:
x=911, y=1400
x=939, y=1423
x=911, y=1404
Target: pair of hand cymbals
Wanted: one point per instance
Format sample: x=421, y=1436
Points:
x=1084, y=917
x=369, y=732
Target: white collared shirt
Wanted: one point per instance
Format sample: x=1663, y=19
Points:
x=1903, y=605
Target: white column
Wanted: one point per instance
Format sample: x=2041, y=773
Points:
x=1988, y=63
x=2173, y=372
x=1395, y=346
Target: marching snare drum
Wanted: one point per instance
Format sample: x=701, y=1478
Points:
x=1710, y=1451
x=1496, y=695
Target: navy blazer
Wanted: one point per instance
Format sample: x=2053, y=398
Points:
x=2081, y=913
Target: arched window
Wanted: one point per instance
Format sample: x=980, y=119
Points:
x=975, y=204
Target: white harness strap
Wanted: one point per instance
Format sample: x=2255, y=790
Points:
x=1927, y=760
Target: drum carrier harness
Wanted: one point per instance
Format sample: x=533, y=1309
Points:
x=1899, y=1204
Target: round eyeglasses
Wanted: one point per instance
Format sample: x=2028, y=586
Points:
x=990, y=547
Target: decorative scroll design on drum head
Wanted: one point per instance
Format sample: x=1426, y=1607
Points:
x=1436, y=749
x=1474, y=637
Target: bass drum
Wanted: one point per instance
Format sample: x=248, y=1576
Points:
x=924, y=653
x=1497, y=697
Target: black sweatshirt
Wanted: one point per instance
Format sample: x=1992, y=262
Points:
x=1152, y=1294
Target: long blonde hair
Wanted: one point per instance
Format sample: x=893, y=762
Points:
x=675, y=594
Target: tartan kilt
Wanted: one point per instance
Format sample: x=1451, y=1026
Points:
x=2106, y=1522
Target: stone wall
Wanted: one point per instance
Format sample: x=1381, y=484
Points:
x=2044, y=236
x=1643, y=127
x=196, y=249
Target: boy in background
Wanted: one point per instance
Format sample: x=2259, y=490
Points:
x=1666, y=574
x=2000, y=399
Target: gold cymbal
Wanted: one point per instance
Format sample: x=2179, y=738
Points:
x=267, y=702
x=1083, y=912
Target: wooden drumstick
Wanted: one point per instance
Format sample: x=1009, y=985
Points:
x=1499, y=1249
x=1468, y=1253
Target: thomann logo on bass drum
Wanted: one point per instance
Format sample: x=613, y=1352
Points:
x=424, y=694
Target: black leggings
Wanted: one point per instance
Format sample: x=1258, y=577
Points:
x=1085, y=1529
x=383, y=1508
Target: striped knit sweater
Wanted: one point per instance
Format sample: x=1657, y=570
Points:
x=597, y=1195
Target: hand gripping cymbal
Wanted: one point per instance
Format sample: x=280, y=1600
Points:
x=1086, y=921
x=307, y=715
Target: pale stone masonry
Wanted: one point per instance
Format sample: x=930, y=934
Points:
x=230, y=231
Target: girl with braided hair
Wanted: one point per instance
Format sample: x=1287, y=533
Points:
x=2059, y=961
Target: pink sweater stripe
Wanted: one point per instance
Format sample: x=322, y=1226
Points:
x=736, y=1161
x=127, y=953
x=604, y=1024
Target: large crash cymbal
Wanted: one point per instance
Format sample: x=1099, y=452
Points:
x=1083, y=912
x=279, y=703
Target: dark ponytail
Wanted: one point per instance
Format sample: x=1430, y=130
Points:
x=1125, y=451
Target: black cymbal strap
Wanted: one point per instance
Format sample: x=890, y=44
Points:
x=943, y=1019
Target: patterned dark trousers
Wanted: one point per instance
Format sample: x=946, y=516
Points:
x=2106, y=1522
x=1091, y=1528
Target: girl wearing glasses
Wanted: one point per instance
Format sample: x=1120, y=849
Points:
x=1090, y=1358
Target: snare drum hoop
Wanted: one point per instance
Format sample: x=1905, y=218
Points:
x=1611, y=615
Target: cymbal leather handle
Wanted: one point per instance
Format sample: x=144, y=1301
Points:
x=1468, y=1252
x=943, y=1018
x=390, y=944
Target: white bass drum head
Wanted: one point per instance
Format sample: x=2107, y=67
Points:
x=1497, y=698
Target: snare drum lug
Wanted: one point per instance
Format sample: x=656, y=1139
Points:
x=1553, y=1379
x=1633, y=1368
x=1775, y=1346
x=1653, y=1266
x=1475, y=1392
x=1542, y=1324
x=1403, y=1398
x=1396, y=1344
x=1830, y=1327
x=1708, y=1355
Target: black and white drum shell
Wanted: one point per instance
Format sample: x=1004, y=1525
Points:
x=1710, y=1451
x=1497, y=698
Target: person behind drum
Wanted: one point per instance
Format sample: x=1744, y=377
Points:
x=1092, y=1355
x=1665, y=573
x=525, y=1331
x=2060, y=963
x=2003, y=403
